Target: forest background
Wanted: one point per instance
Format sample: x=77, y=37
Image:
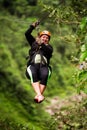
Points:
x=67, y=22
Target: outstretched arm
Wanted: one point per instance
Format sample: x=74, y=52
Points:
x=28, y=35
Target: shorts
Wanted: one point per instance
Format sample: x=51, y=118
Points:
x=38, y=73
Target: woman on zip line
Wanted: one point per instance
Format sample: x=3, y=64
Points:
x=38, y=69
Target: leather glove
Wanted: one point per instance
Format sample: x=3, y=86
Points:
x=35, y=24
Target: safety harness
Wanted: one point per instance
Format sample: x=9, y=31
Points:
x=37, y=57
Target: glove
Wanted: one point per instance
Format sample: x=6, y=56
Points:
x=35, y=24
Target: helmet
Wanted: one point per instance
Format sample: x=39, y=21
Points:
x=45, y=32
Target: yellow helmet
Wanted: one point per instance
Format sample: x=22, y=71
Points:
x=45, y=32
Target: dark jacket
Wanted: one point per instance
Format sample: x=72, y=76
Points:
x=45, y=50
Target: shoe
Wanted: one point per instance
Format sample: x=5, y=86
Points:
x=40, y=98
x=36, y=99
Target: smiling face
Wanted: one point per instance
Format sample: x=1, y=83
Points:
x=44, y=39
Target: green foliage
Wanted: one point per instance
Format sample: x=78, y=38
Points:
x=18, y=102
x=16, y=94
x=80, y=79
x=79, y=7
x=7, y=124
x=73, y=118
x=81, y=73
x=32, y=2
x=83, y=25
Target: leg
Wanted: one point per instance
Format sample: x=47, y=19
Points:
x=46, y=73
x=42, y=88
x=33, y=73
x=36, y=87
x=39, y=97
x=43, y=80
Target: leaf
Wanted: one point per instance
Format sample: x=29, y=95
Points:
x=83, y=23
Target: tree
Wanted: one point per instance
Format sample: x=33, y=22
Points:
x=32, y=2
